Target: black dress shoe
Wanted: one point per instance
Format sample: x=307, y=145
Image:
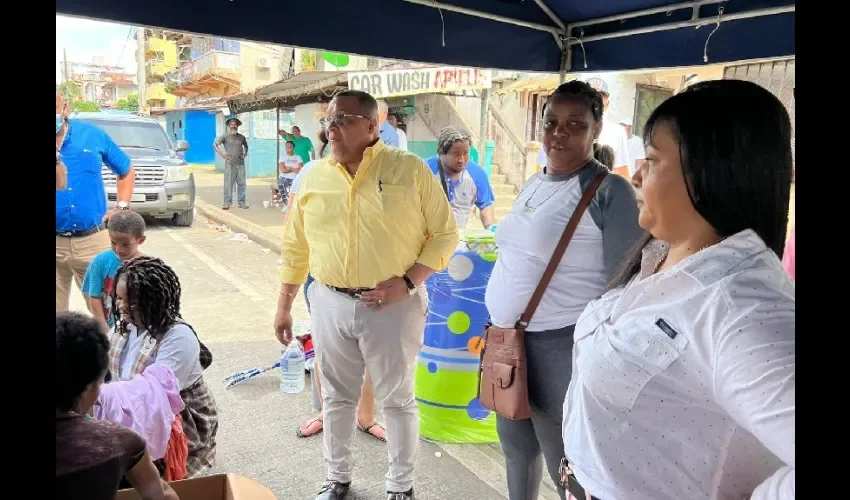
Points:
x=406, y=495
x=333, y=490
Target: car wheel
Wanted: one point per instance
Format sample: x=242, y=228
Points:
x=184, y=219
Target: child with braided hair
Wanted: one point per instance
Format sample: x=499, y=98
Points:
x=149, y=329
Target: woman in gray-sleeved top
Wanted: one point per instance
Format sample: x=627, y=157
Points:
x=572, y=120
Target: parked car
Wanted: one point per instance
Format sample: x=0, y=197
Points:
x=165, y=187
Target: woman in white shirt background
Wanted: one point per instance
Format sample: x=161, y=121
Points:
x=572, y=119
x=684, y=377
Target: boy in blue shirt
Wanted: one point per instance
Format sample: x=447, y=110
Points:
x=126, y=233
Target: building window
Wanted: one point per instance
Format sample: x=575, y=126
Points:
x=647, y=98
x=534, y=117
x=265, y=124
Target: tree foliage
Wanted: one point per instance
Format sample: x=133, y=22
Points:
x=72, y=94
x=84, y=106
x=131, y=103
x=308, y=60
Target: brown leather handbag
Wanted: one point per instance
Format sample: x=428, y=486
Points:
x=502, y=372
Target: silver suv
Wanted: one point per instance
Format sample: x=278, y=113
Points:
x=165, y=188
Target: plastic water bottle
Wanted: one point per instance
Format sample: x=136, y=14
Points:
x=292, y=368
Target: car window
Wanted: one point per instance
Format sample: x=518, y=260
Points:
x=134, y=134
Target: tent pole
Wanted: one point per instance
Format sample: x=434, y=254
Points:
x=703, y=21
x=554, y=17
x=484, y=15
x=566, y=58
x=695, y=19
x=277, y=142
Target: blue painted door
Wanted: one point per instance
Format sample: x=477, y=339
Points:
x=199, y=130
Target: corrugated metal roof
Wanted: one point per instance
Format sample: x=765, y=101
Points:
x=290, y=91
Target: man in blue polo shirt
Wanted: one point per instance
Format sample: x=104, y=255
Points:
x=388, y=133
x=81, y=211
x=466, y=183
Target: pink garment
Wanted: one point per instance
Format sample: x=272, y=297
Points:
x=788, y=256
x=147, y=404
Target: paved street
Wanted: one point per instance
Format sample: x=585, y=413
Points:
x=229, y=294
x=209, y=189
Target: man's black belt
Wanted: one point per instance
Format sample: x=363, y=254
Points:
x=354, y=293
x=83, y=233
x=570, y=483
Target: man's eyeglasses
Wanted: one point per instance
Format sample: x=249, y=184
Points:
x=341, y=120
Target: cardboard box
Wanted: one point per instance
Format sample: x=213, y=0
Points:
x=215, y=487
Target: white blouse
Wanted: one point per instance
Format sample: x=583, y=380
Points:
x=684, y=381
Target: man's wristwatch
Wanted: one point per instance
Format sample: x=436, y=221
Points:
x=411, y=288
x=123, y=205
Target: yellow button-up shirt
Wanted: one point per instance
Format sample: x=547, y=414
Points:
x=353, y=232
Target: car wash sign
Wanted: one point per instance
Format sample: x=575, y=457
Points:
x=401, y=82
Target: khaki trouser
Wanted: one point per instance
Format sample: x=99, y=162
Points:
x=73, y=256
x=349, y=339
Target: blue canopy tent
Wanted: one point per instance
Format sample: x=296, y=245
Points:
x=522, y=35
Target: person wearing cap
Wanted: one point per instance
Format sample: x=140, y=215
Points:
x=636, y=150
x=234, y=152
x=613, y=135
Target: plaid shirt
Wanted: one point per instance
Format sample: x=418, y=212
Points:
x=200, y=416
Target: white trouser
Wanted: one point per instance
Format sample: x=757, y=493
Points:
x=349, y=337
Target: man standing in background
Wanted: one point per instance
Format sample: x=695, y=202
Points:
x=81, y=213
x=388, y=133
x=466, y=183
x=303, y=145
x=234, y=152
x=402, y=136
x=613, y=135
x=637, y=151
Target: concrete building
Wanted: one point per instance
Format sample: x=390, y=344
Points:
x=218, y=67
x=100, y=83
x=161, y=58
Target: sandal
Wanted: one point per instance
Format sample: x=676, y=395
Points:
x=368, y=430
x=310, y=425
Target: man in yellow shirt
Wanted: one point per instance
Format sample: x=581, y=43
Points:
x=370, y=223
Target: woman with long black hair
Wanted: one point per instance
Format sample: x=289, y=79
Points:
x=684, y=371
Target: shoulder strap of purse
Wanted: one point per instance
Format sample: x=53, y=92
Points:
x=182, y=322
x=560, y=249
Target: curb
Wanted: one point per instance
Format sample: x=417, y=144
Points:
x=255, y=232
